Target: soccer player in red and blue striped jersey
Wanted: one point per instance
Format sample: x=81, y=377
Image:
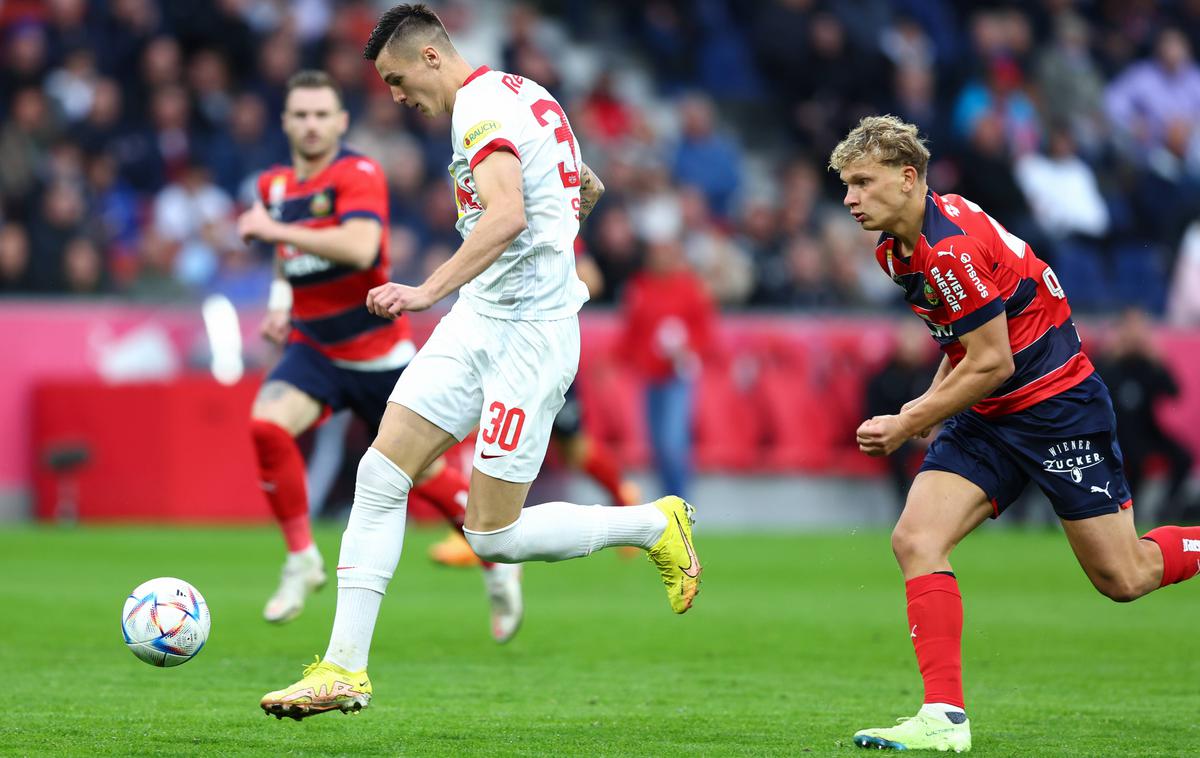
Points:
x=326, y=216
x=1019, y=400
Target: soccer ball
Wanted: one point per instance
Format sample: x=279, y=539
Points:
x=165, y=621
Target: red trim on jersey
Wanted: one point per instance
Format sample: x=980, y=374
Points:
x=497, y=144
x=363, y=347
x=475, y=75
x=1077, y=368
x=327, y=298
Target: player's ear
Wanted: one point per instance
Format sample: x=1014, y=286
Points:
x=431, y=56
x=908, y=178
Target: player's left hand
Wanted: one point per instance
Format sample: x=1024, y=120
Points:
x=257, y=224
x=391, y=299
x=882, y=435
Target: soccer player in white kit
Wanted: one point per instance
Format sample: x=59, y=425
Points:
x=500, y=359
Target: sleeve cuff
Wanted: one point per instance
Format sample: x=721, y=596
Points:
x=978, y=318
x=491, y=147
x=361, y=214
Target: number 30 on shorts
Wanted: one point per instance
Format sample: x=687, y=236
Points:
x=504, y=428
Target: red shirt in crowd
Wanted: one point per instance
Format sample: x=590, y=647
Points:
x=668, y=323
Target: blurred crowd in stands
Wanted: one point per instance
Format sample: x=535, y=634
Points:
x=131, y=130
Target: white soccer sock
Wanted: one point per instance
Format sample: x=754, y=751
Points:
x=557, y=531
x=942, y=710
x=371, y=548
x=304, y=556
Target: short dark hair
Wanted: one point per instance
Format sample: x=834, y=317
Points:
x=400, y=23
x=312, y=79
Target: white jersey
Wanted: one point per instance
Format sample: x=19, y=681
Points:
x=534, y=279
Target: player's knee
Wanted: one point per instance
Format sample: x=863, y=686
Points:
x=1118, y=588
x=909, y=545
x=499, y=546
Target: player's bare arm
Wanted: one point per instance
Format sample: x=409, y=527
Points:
x=590, y=190
x=354, y=242
x=987, y=364
x=276, y=322
x=501, y=192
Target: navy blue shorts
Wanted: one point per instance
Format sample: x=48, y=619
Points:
x=1066, y=444
x=364, y=392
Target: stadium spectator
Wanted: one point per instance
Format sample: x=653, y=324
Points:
x=616, y=248
x=196, y=214
x=725, y=268
x=1183, y=307
x=24, y=141
x=25, y=61
x=63, y=216
x=15, y=278
x=1062, y=190
x=1071, y=83
x=668, y=323
x=83, y=267
x=704, y=158
x=1140, y=380
x=1149, y=96
x=73, y=85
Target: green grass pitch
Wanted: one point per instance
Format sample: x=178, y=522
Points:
x=795, y=642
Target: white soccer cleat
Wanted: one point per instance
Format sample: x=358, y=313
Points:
x=303, y=574
x=503, y=583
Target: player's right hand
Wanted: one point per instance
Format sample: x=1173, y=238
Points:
x=276, y=326
x=391, y=299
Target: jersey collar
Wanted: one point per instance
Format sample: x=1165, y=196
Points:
x=475, y=75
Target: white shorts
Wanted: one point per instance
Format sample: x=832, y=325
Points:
x=507, y=377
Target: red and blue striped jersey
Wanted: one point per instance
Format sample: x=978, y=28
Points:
x=329, y=299
x=966, y=270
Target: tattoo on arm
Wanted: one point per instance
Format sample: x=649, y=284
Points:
x=272, y=391
x=590, y=190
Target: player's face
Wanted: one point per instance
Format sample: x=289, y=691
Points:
x=314, y=121
x=875, y=194
x=413, y=79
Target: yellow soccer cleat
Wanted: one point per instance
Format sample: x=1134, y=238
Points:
x=674, y=554
x=453, y=551
x=930, y=729
x=325, y=687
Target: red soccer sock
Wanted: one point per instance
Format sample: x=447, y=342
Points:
x=601, y=465
x=935, y=619
x=1180, y=546
x=281, y=471
x=447, y=491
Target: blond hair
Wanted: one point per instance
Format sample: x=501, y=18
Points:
x=885, y=139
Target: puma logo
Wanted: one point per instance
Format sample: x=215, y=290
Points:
x=913, y=633
x=1103, y=489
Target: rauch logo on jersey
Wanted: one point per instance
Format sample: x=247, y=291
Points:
x=1071, y=458
x=478, y=132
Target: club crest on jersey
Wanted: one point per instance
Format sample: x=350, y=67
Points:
x=931, y=296
x=476, y=133
x=320, y=205
x=1071, y=458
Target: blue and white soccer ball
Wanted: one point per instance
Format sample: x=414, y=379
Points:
x=165, y=621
